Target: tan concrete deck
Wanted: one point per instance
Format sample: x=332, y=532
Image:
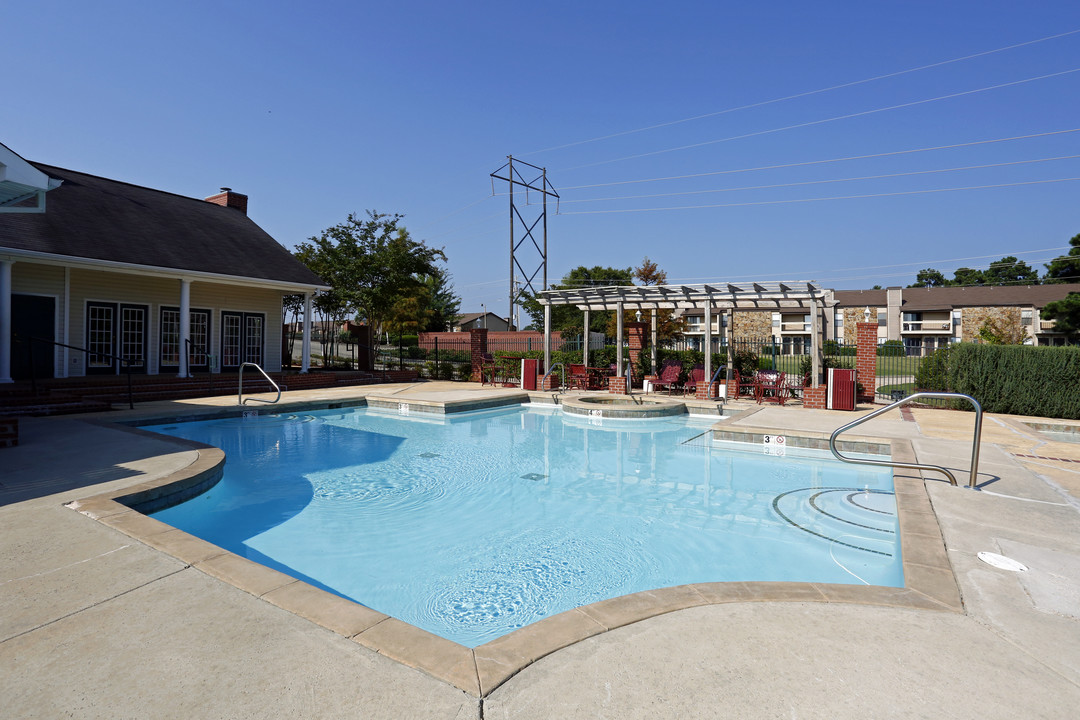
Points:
x=94, y=623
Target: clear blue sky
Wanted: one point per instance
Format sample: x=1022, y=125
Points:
x=319, y=109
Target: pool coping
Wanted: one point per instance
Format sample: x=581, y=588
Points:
x=929, y=580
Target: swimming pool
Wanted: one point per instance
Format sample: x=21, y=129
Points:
x=473, y=526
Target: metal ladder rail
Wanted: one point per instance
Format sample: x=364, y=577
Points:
x=240, y=390
x=916, y=466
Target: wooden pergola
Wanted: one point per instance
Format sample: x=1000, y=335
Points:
x=712, y=297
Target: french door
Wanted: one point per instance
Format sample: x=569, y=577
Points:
x=243, y=337
x=116, y=331
x=198, y=332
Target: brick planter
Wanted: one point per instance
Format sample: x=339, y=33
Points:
x=616, y=385
x=815, y=397
x=9, y=432
x=551, y=383
x=707, y=391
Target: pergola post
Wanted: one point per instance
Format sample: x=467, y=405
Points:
x=619, y=339
x=815, y=342
x=652, y=339
x=708, y=342
x=547, y=338
x=730, y=312
x=305, y=344
x=585, y=335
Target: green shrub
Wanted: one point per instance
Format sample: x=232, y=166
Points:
x=1014, y=379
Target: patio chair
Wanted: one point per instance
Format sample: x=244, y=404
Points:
x=771, y=388
x=696, y=377
x=579, y=377
x=669, y=376
x=744, y=385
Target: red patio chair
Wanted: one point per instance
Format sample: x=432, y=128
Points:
x=697, y=376
x=669, y=376
x=579, y=377
x=772, y=388
x=744, y=385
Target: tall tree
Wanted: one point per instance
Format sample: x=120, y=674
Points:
x=1065, y=313
x=966, y=276
x=1010, y=271
x=929, y=278
x=371, y=264
x=444, y=304
x=1065, y=268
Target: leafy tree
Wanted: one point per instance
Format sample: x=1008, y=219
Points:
x=1065, y=268
x=998, y=332
x=292, y=309
x=567, y=318
x=968, y=276
x=444, y=305
x=1065, y=313
x=1010, y=271
x=371, y=264
x=929, y=278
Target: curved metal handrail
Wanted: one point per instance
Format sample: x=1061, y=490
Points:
x=562, y=385
x=240, y=390
x=916, y=466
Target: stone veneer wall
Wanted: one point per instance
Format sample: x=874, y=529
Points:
x=973, y=318
x=852, y=318
x=752, y=324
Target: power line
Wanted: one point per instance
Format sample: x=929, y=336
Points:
x=824, y=182
x=823, y=121
x=820, y=162
x=803, y=94
x=807, y=200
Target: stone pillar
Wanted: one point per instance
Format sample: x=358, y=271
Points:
x=478, y=345
x=866, y=359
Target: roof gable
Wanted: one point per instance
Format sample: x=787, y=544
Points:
x=107, y=220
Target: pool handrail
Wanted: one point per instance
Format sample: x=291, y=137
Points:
x=240, y=400
x=562, y=385
x=916, y=466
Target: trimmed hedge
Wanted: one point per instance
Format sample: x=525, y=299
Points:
x=1013, y=379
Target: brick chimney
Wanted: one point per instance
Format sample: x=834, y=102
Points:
x=228, y=198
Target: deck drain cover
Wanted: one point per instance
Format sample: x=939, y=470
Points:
x=1002, y=562
x=428, y=455
x=533, y=476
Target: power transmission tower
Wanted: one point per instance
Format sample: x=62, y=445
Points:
x=540, y=185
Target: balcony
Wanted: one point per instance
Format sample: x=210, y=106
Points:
x=790, y=328
x=928, y=327
x=1046, y=325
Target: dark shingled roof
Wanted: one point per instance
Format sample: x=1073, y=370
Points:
x=96, y=218
x=943, y=298
x=860, y=298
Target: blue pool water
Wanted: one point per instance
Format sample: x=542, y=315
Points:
x=470, y=527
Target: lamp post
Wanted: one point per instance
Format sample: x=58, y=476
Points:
x=483, y=314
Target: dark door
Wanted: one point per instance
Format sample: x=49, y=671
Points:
x=33, y=316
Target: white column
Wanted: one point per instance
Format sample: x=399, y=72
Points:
x=66, y=354
x=652, y=340
x=305, y=347
x=185, y=326
x=547, y=339
x=619, y=341
x=708, y=341
x=585, y=351
x=5, y=321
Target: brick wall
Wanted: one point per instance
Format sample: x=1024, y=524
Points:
x=866, y=360
x=635, y=332
x=617, y=385
x=478, y=348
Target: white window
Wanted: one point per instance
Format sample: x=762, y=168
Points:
x=1025, y=316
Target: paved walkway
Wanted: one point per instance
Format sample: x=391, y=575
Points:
x=94, y=624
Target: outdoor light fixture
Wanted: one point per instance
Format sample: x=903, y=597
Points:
x=637, y=314
x=866, y=314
